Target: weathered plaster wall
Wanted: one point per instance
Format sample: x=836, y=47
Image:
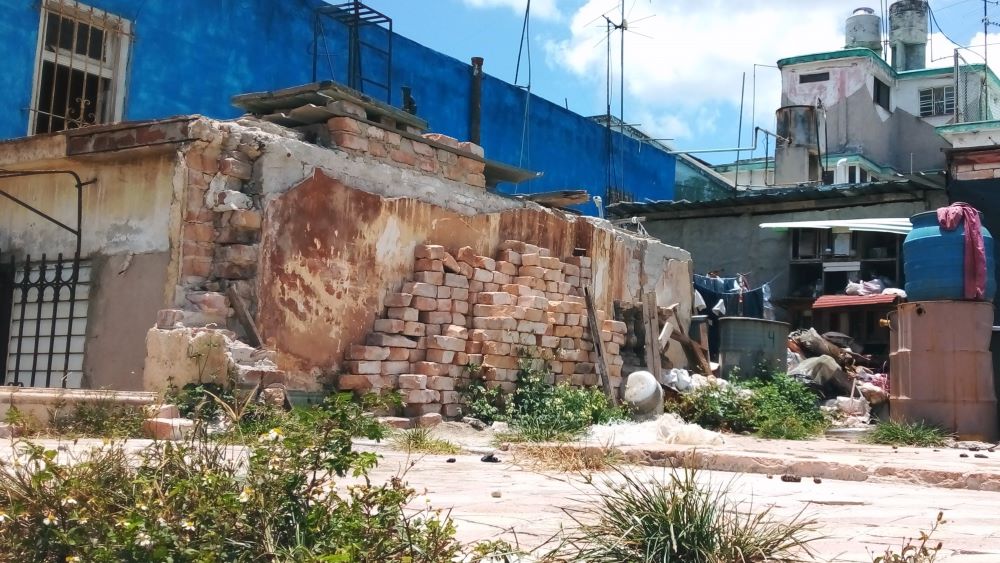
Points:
x=316, y=299
x=738, y=244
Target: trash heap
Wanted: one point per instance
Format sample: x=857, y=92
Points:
x=847, y=382
x=461, y=312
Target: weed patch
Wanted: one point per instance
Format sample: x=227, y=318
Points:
x=918, y=434
x=420, y=440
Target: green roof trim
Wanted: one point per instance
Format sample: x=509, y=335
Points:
x=970, y=126
x=759, y=164
x=834, y=55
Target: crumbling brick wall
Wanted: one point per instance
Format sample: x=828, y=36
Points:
x=477, y=311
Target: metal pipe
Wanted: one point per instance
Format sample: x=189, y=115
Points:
x=476, y=101
x=753, y=147
x=739, y=130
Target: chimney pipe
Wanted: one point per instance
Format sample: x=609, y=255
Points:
x=476, y=100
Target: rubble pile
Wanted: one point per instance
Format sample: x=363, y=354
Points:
x=462, y=312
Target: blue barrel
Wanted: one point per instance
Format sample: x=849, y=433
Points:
x=934, y=261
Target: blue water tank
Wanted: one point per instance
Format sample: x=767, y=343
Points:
x=934, y=261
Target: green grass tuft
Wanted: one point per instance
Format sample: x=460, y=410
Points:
x=918, y=434
x=419, y=440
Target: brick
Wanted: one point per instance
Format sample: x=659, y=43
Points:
x=573, y=281
x=414, y=328
x=435, y=317
x=392, y=340
x=446, y=343
x=564, y=306
x=533, y=302
x=431, y=369
x=444, y=305
x=466, y=254
x=490, y=286
x=501, y=278
x=432, y=330
x=202, y=232
x=398, y=300
x=441, y=383
x=495, y=298
x=424, y=303
x=499, y=361
x=403, y=154
x=506, y=268
x=432, y=278
x=402, y=313
x=346, y=124
x=494, y=323
x=515, y=245
x=482, y=275
x=389, y=326
x=553, y=276
x=496, y=348
x=530, y=260
x=418, y=410
x=364, y=367
x=441, y=356
x=421, y=396
x=343, y=107
x=450, y=264
x=612, y=348
x=534, y=272
x=430, y=251
x=510, y=256
x=614, y=326
x=421, y=289
x=456, y=331
x=586, y=273
x=568, y=331
x=236, y=167
x=428, y=265
x=359, y=352
x=544, y=252
x=534, y=315
x=459, y=319
x=398, y=354
x=460, y=294
x=417, y=355
x=466, y=269
x=458, y=281
x=460, y=306
x=350, y=141
x=472, y=348
x=512, y=311
x=194, y=266
x=444, y=292
x=395, y=368
x=452, y=411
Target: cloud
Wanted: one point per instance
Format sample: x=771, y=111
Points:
x=542, y=9
x=684, y=60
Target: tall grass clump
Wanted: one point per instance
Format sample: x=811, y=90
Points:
x=918, y=434
x=679, y=521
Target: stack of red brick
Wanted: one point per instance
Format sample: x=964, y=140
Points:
x=466, y=310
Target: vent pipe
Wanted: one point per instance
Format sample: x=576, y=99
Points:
x=476, y=100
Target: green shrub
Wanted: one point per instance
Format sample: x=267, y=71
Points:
x=774, y=407
x=201, y=501
x=918, y=434
x=539, y=411
x=679, y=521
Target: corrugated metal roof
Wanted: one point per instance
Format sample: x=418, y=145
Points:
x=769, y=196
x=899, y=226
x=835, y=301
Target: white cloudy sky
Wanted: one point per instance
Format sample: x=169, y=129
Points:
x=684, y=59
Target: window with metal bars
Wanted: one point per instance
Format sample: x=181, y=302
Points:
x=937, y=101
x=80, y=67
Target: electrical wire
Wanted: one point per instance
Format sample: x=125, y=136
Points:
x=525, y=45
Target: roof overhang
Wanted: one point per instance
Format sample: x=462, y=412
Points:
x=897, y=226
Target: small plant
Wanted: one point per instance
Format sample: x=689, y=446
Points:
x=104, y=419
x=915, y=553
x=419, y=440
x=482, y=402
x=193, y=501
x=773, y=407
x=919, y=434
x=569, y=458
x=679, y=521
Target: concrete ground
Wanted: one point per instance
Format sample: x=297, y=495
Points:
x=855, y=520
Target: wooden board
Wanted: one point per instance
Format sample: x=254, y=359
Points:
x=595, y=335
x=651, y=322
x=244, y=317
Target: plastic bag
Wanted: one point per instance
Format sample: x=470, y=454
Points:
x=673, y=430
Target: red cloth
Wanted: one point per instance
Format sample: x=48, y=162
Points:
x=975, y=251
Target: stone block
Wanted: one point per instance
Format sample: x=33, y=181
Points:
x=432, y=278
x=450, y=264
x=467, y=255
x=245, y=219
x=533, y=272
x=481, y=275
x=510, y=256
x=494, y=323
x=533, y=302
x=395, y=368
x=490, y=286
x=428, y=420
x=441, y=383
x=446, y=343
x=500, y=361
x=444, y=292
x=573, y=319
x=501, y=278
x=416, y=410
x=507, y=268
x=460, y=294
x=452, y=411
x=167, y=428
x=432, y=330
x=450, y=397
x=495, y=348
x=461, y=307
x=553, y=276
x=398, y=354
x=417, y=355
x=414, y=328
x=372, y=353
x=424, y=303
x=440, y=356
x=398, y=300
x=421, y=289
x=456, y=331
x=236, y=167
x=457, y=281
x=614, y=326
x=435, y=317
x=530, y=260
x=431, y=369
x=429, y=251
x=495, y=298
x=412, y=381
x=402, y=313
x=421, y=396
x=342, y=107
x=473, y=347
x=389, y=326
x=428, y=265
x=364, y=367
x=534, y=315
x=393, y=340
x=397, y=422
x=459, y=319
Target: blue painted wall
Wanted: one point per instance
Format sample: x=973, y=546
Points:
x=192, y=56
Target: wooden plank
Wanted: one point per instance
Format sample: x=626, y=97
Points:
x=651, y=322
x=243, y=315
x=595, y=335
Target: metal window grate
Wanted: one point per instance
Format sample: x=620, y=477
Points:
x=937, y=101
x=80, y=67
x=46, y=304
